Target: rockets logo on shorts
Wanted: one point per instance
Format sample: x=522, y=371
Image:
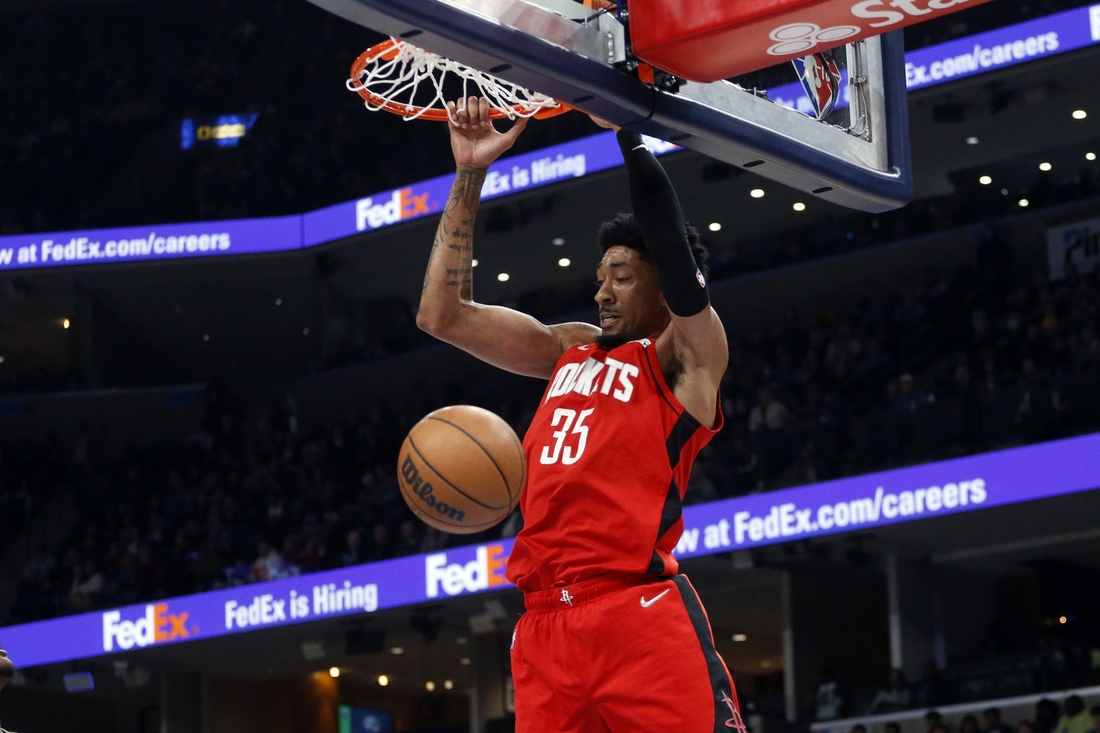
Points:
x=735, y=722
x=566, y=598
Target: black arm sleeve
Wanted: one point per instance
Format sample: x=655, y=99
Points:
x=657, y=212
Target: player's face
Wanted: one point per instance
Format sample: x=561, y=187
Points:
x=629, y=297
x=7, y=669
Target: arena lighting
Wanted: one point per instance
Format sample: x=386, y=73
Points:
x=474, y=263
x=564, y=262
x=1, y=360
x=985, y=180
x=278, y=301
x=465, y=661
x=462, y=640
x=1044, y=167
x=715, y=226
x=65, y=323
x=397, y=650
x=740, y=637
x=334, y=672
x=448, y=684
x=206, y=337
x=1062, y=619
x=972, y=140
x=557, y=241
x=1023, y=203
x=1090, y=156
x=305, y=331
x=799, y=206
x=1080, y=114
x=503, y=277
x=757, y=193
x=383, y=680
x=429, y=686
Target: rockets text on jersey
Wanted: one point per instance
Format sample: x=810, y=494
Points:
x=608, y=452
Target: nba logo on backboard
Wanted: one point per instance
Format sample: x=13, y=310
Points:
x=820, y=78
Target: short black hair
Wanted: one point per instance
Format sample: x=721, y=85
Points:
x=623, y=231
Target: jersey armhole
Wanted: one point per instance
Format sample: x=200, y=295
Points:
x=670, y=397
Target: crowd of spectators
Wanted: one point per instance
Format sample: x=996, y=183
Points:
x=833, y=700
x=95, y=142
x=916, y=371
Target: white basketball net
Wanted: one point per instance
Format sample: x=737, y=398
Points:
x=397, y=80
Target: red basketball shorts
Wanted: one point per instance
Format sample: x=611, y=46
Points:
x=619, y=654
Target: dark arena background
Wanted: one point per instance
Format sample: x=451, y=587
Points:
x=210, y=262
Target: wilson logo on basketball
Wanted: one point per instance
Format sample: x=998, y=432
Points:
x=424, y=491
x=461, y=469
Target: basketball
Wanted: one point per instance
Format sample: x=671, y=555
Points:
x=461, y=469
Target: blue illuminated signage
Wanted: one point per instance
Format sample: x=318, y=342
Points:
x=363, y=720
x=1042, y=37
x=155, y=242
x=858, y=503
x=225, y=131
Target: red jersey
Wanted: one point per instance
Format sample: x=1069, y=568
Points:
x=608, y=452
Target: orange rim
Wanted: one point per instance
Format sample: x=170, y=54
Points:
x=387, y=50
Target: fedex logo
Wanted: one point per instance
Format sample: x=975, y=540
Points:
x=484, y=571
x=157, y=625
x=402, y=204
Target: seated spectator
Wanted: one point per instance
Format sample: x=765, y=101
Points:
x=932, y=690
x=993, y=722
x=1075, y=717
x=379, y=547
x=353, y=549
x=1095, y=713
x=409, y=542
x=893, y=728
x=39, y=567
x=268, y=565
x=894, y=697
x=831, y=701
x=969, y=724
x=239, y=573
x=933, y=720
x=769, y=414
x=1047, y=713
x=1026, y=726
x=87, y=585
x=312, y=557
x=859, y=728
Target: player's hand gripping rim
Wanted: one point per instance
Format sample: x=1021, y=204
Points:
x=475, y=142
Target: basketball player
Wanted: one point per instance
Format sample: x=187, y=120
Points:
x=614, y=640
x=7, y=672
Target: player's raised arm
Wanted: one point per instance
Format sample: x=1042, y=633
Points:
x=500, y=336
x=694, y=347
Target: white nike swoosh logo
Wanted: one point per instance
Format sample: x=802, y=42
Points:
x=647, y=604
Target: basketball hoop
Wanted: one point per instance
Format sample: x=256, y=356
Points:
x=388, y=75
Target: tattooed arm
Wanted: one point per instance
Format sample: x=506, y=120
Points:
x=500, y=336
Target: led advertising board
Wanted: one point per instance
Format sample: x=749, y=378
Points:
x=225, y=131
x=976, y=54
x=834, y=507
